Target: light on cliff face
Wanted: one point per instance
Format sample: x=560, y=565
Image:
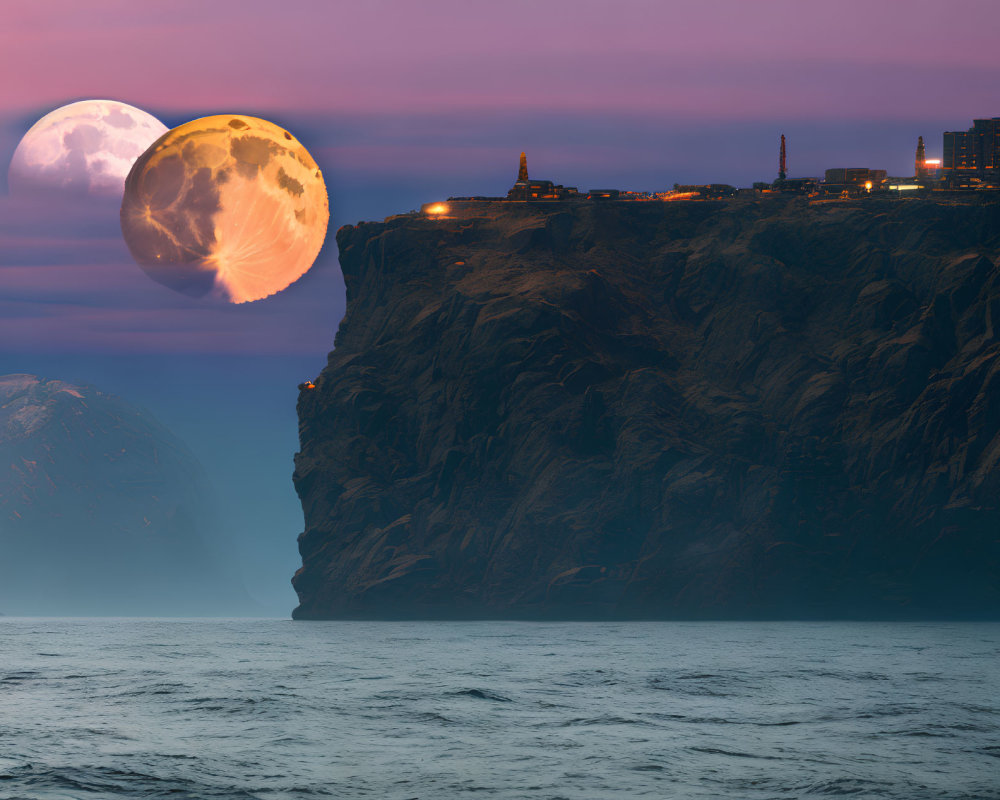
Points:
x=437, y=209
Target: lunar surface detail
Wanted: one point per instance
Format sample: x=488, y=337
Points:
x=228, y=206
x=83, y=148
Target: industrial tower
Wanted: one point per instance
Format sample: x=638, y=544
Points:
x=782, y=172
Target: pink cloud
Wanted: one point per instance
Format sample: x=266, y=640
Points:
x=713, y=57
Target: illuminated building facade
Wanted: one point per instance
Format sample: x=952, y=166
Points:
x=972, y=157
x=853, y=180
x=857, y=176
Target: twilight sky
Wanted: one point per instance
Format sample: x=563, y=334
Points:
x=402, y=102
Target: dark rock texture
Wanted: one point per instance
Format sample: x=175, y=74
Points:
x=102, y=509
x=760, y=409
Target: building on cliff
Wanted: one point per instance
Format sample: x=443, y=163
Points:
x=527, y=190
x=853, y=180
x=785, y=184
x=972, y=158
x=926, y=171
x=971, y=161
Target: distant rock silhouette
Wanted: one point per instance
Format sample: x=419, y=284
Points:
x=102, y=509
x=759, y=409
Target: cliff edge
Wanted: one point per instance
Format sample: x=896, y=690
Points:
x=672, y=410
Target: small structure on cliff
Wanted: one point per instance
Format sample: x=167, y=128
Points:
x=919, y=166
x=927, y=171
x=853, y=180
x=784, y=183
x=527, y=190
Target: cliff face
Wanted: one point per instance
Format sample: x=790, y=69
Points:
x=662, y=410
x=102, y=509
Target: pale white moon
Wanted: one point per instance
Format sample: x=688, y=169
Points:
x=231, y=206
x=85, y=148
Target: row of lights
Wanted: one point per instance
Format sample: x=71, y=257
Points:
x=438, y=209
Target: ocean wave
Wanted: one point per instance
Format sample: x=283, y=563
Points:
x=274, y=711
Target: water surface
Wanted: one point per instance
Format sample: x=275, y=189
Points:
x=99, y=708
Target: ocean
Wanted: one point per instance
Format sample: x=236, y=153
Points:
x=241, y=709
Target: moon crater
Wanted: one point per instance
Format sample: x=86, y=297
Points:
x=84, y=148
x=230, y=206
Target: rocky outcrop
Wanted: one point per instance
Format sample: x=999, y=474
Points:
x=102, y=509
x=759, y=409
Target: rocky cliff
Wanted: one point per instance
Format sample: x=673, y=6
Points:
x=759, y=409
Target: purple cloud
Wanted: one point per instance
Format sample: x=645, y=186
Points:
x=715, y=57
x=69, y=285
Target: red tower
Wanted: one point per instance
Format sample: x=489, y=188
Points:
x=522, y=172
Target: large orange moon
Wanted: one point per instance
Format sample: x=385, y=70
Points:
x=228, y=206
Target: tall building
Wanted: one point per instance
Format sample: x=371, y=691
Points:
x=782, y=165
x=528, y=190
x=920, y=167
x=972, y=157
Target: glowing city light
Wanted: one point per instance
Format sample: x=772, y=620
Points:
x=437, y=209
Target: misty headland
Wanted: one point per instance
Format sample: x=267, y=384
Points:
x=103, y=511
